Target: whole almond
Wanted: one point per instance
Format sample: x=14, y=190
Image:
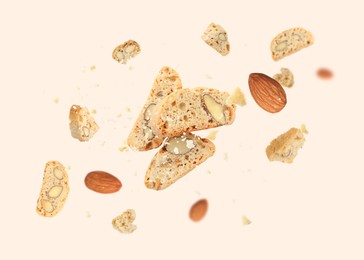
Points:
x=198, y=210
x=102, y=182
x=267, y=92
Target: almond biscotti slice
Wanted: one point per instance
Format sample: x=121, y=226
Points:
x=54, y=190
x=189, y=110
x=142, y=137
x=289, y=42
x=126, y=51
x=82, y=124
x=177, y=157
x=285, y=147
x=216, y=37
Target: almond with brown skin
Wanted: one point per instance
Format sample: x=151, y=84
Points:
x=198, y=210
x=102, y=182
x=267, y=92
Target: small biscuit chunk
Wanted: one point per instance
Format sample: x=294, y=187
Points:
x=179, y=156
x=285, y=147
x=236, y=97
x=285, y=78
x=189, y=110
x=141, y=137
x=126, y=51
x=217, y=38
x=124, y=222
x=82, y=124
x=54, y=191
x=289, y=42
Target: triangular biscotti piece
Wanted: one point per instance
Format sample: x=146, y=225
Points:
x=189, y=110
x=141, y=137
x=177, y=157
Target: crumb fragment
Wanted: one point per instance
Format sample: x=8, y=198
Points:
x=237, y=97
x=304, y=129
x=285, y=78
x=56, y=100
x=128, y=109
x=285, y=147
x=119, y=115
x=123, y=148
x=245, y=220
x=93, y=111
x=212, y=134
x=88, y=214
x=93, y=67
x=226, y=156
x=124, y=222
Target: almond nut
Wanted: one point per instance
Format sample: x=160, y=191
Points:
x=55, y=191
x=267, y=92
x=58, y=173
x=324, y=73
x=102, y=182
x=47, y=206
x=198, y=210
x=215, y=109
x=180, y=145
x=148, y=112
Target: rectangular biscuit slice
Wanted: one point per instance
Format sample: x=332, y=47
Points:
x=54, y=190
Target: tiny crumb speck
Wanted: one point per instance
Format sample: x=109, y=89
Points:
x=119, y=115
x=212, y=134
x=128, y=109
x=208, y=76
x=93, y=67
x=130, y=68
x=226, y=156
x=93, y=111
x=123, y=148
x=208, y=172
x=56, y=100
x=245, y=220
x=304, y=129
x=88, y=214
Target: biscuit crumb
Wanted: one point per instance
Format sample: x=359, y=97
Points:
x=128, y=109
x=212, y=134
x=285, y=78
x=124, y=222
x=123, y=148
x=93, y=111
x=56, y=100
x=237, y=97
x=119, y=115
x=304, y=129
x=93, y=67
x=245, y=220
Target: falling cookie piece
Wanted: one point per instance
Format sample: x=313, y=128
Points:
x=54, y=191
x=237, y=97
x=285, y=78
x=82, y=124
x=126, y=51
x=124, y=222
x=178, y=156
x=289, y=42
x=245, y=220
x=217, y=38
x=285, y=147
x=141, y=137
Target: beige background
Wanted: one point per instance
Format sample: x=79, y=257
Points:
x=311, y=209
